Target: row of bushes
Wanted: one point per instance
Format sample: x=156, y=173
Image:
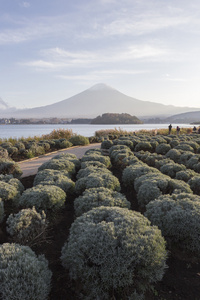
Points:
x=168, y=203
x=28, y=148
x=158, y=144
x=175, y=170
x=34, y=209
x=109, y=246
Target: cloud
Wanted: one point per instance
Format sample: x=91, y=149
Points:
x=58, y=58
x=98, y=75
x=25, y=4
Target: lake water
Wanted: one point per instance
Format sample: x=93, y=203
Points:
x=18, y=131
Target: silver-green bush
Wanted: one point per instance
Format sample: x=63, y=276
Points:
x=79, y=140
x=92, y=163
x=174, y=154
x=146, y=146
x=185, y=175
x=178, y=218
x=12, y=181
x=132, y=172
x=96, y=157
x=163, y=148
x=95, y=180
x=171, y=169
x=86, y=171
x=95, y=197
x=8, y=166
x=49, y=198
x=114, y=250
x=27, y=227
x=9, y=192
x=23, y=275
x=69, y=156
x=59, y=164
x=3, y=153
x=107, y=144
x=184, y=147
x=194, y=183
x=55, y=177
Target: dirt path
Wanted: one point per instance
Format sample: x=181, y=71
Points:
x=30, y=166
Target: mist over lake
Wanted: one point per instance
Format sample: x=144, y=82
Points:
x=19, y=131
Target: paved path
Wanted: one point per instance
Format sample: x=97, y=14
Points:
x=30, y=166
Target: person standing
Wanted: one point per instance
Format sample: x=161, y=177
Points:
x=170, y=128
x=178, y=130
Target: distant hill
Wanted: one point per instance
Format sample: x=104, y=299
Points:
x=116, y=119
x=189, y=117
x=95, y=101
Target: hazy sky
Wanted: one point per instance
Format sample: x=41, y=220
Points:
x=51, y=50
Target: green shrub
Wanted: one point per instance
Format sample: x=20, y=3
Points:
x=134, y=171
x=121, y=158
x=23, y=275
x=8, y=166
x=49, y=198
x=171, y=169
x=46, y=145
x=185, y=156
x=70, y=157
x=63, y=143
x=184, y=147
x=154, y=144
x=96, y=157
x=27, y=227
x=163, y=148
x=126, y=142
x=77, y=140
x=35, y=150
x=146, y=146
x=95, y=197
x=95, y=180
x=3, y=153
x=59, y=164
x=185, y=175
x=177, y=216
x=192, y=162
x=148, y=192
x=12, y=151
x=9, y=192
x=162, y=181
x=91, y=163
x=107, y=144
x=179, y=186
x=117, y=147
x=194, y=183
x=174, y=154
x=93, y=151
x=1, y=210
x=86, y=171
x=118, y=249
x=12, y=181
x=6, y=145
x=55, y=177
x=174, y=142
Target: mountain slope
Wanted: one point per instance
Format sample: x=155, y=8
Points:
x=188, y=117
x=98, y=100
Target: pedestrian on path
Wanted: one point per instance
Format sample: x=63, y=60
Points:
x=170, y=128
